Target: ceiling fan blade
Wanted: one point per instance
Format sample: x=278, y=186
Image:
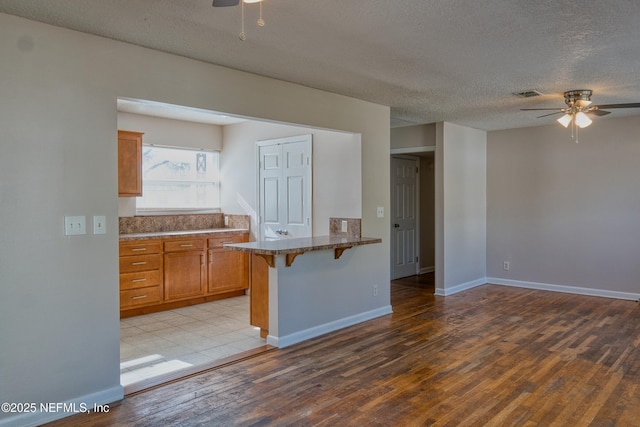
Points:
x=224, y=3
x=631, y=105
x=550, y=114
x=599, y=113
x=541, y=109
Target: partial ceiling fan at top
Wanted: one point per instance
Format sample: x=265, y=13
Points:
x=579, y=106
x=226, y=3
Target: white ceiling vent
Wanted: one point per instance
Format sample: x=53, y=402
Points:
x=528, y=93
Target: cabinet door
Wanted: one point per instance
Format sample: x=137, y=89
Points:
x=129, y=164
x=228, y=271
x=184, y=274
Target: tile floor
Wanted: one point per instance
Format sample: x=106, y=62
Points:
x=158, y=343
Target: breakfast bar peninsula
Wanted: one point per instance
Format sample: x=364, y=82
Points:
x=306, y=277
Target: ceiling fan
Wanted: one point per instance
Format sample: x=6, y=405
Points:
x=578, y=106
x=227, y=3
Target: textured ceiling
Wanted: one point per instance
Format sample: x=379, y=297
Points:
x=429, y=60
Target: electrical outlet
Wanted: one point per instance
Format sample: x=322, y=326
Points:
x=375, y=290
x=344, y=226
x=506, y=266
x=380, y=212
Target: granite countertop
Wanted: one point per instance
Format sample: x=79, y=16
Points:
x=184, y=233
x=300, y=245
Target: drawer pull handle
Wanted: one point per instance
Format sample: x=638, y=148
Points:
x=138, y=280
x=228, y=243
x=186, y=246
x=139, y=263
x=139, y=297
x=138, y=249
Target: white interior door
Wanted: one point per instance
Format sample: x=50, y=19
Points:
x=285, y=187
x=404, y=236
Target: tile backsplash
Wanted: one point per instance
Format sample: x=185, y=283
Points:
x=159, y=223
x=353, y=227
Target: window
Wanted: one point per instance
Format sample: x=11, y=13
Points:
x=176, y=179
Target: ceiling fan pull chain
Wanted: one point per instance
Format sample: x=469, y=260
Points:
x=242, y=35
x=261, y=21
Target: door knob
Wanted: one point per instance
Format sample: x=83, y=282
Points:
x=396, y=225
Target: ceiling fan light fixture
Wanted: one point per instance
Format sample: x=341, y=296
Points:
x=582, y=120
x=565, y=120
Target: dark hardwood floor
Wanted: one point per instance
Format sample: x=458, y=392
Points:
x=492, y=355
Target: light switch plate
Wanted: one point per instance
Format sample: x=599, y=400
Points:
x=380, y=212
x=99, y=226
x=75, y=225
x=344, y=226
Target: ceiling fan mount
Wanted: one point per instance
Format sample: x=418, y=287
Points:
x=225, y=3
x=578, y=96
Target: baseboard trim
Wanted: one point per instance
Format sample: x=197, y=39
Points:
x=445, y=292
x=565, y=289
x=316, y=331
x=426, y=270
x=87, y=402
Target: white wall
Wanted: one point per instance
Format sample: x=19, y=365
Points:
x=173, y=133
x=413, y=136
x=59, y=327
x=427, y=212
x=337, y=171
x=314, y=295
x=461, y=236
x=167, y=132
x=564, y=213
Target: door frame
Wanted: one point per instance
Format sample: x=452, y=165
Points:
x=416, y=238
x=414, y=152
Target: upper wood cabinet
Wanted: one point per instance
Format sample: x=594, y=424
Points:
x=129, y=163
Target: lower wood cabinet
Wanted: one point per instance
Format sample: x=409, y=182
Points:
x=160, y=274
x=227, y=270
x=140, y=297
x=140, y=274
x=184, y=275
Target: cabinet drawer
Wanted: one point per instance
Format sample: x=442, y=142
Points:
x=183, y=245
x=142, y=248
x=140, y=279
x=217, y=242
x=129, y=264
x=142, y=296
